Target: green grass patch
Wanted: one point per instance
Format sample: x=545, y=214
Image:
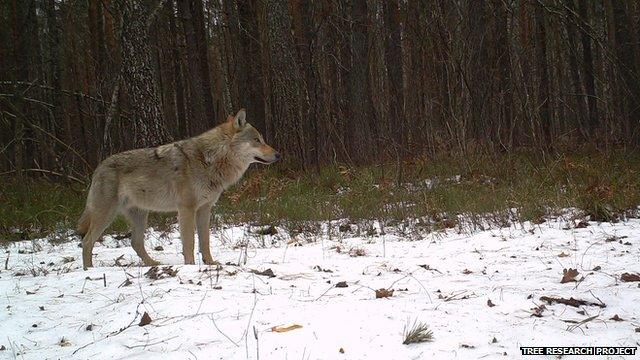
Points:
x=435, y=190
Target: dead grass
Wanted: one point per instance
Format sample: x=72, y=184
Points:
x=417, y=333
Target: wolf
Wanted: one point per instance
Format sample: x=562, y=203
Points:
x=186, y=176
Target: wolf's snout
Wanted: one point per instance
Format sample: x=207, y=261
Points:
x=278, y=156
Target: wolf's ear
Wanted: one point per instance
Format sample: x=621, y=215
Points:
x=240, y=120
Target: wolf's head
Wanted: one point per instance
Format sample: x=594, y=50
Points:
x=248, y=143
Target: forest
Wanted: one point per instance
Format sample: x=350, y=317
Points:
x=355, y=82
x=459, y=178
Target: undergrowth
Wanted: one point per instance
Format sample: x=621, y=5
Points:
x=435, y=193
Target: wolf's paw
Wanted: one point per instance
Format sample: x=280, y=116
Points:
x=151, y=262
x=210, y=262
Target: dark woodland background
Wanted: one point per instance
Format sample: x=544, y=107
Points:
x=327, y=81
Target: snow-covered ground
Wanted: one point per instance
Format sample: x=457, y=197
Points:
x=476, y=292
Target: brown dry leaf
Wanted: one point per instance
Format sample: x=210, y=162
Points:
x=342, y=284
x=569, y=275
x=626, y=277
x=490, y=303
x=538, y=310
x=341, y=351
x=279, y=329
x=383, y=293
x=467, y=271
x=356, y=252
x=155, y=272
x=571, y=301
x=64, y=342
x=616, y=318
x=267, y=272
x=562, y=254
x=146, y=319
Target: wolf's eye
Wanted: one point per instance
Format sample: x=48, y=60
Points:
x=256, y=140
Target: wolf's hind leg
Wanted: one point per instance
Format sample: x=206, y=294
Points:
x=203, y=217
x=100, y=219
x=138, y=221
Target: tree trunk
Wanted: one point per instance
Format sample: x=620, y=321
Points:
x=587, y=69
x=393, y=58
x=543, y=76
x=140, y=84
x=192, y=18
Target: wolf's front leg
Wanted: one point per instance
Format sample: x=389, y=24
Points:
x=186, y=219
x=203, y=217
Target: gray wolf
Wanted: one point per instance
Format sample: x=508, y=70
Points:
x=186, y=176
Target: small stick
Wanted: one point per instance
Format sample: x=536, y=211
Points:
x=255, y=334
x=104, y=279
x=6, y=262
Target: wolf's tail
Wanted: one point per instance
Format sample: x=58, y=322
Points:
x=84, y=222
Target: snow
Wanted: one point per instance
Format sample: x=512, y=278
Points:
x=218, y=314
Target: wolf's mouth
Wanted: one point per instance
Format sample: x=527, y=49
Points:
x=259, y=159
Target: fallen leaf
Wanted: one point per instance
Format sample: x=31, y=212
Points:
x=267, y=272
x=158, y=248
x=490, y=303
x=285, y=329
x=89, y=327
x=30, y=292
x=465, y=346
x=64, y=342
x=569, y=275
x=156, y=272
x=2, y=348
x=383, y=293
x=571, y=301
x=355, y=252
x=318, y=268
x=341, y=351
x=467, y=271
x=538, y=310
x=626, y=277
x=616, y=318
x=342, y=284
x=597, y=268
x=146, y=319
x=427, y=267
x=562, y=254
x=41, y=308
